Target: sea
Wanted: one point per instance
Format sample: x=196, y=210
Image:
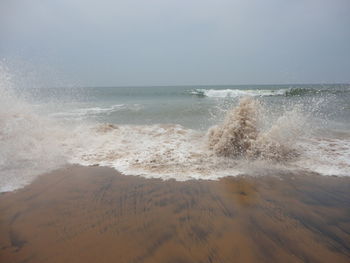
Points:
x=174, y=132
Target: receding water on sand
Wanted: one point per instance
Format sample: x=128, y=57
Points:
x=94, y=214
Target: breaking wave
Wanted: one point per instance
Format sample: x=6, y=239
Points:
x=291, y=91
x=84, y=113
x=298, y=91
x=241, y=134
x=248, y=141
x=234, y=93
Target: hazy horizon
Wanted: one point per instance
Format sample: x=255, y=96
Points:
x=177, y=43
x=207, y=85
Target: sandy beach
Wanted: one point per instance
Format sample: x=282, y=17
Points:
x=95, y=214
x=174, y=131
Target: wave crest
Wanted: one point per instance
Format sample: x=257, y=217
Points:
x=286, y=91
x=84, y=113
x=31, y=144
x=234, y=93
x=240, y=134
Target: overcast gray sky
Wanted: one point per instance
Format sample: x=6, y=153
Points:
x=178, y=42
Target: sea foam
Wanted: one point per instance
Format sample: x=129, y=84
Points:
x=234, y=93
x=247, y=141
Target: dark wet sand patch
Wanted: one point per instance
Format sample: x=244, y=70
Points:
x=94, y=214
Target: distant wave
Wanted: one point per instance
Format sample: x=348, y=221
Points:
x=250, y=140
x=95, y=111
x=315, y=91
x=233, y=93
x=294, y=91
x=32, y=144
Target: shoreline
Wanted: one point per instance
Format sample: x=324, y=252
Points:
x=95, y=214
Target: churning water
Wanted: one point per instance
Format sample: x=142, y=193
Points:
x=174, y=132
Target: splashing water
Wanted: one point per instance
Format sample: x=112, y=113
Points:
x=29, y=143
x=236, y=136
x=240, y=134
x=251, y=138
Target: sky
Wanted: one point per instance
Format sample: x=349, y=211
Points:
x=180, y=42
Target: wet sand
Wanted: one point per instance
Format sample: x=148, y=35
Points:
x=94, y=214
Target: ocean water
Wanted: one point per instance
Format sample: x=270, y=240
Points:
x=178, y=132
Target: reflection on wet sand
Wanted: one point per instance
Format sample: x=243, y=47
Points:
x=96, y=215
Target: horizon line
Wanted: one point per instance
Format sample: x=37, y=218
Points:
x=203, y=85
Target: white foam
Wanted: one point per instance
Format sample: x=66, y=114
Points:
x=234, y=93
x=325, y=156
x=83, y=113
x=163, y=151
x=172, y=151
x=31, y=144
